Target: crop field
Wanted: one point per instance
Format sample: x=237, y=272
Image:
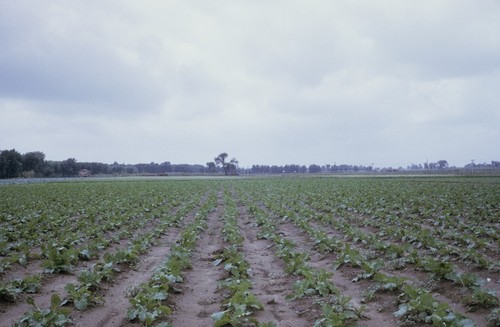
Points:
x=295, y=251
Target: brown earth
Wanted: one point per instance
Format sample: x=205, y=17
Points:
x=271, y=283
x=114, y=311
x=199, y=298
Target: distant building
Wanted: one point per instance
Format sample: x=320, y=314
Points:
x=84, y=173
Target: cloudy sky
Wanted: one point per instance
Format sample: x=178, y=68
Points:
x=387, y=82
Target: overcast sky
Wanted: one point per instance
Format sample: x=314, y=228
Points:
x=387, y=82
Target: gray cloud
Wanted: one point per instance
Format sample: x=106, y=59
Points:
x=60, y=56
x=269, y=82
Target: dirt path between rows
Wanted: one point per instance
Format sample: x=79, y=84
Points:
x=10, y=313
x=199, y=298
x=443, y=291
x=114, y=311
x=55, y=283
x=270, y=282
x=342, y=279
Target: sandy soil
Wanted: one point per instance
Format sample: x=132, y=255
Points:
x=271, y=284
x=114, y=311
x=199, y=297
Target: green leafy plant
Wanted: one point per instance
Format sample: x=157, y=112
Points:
x=481, y=299
x=370, y=268
x=349, y=256
x=30, y=284
x=234, y=263
x=468, y=279
x=338, y=313
x=389, y=283
x=90, y=278
x=420, y=306
x=439, y=269
x=9, y=292
x=314, y=282
x=239, y=307
x=55, y=316
x=323, y=243
x=148, y=300
x=81, y=297
x=179, y=260
x=59, y=259
x=147, y=305
x=240, y=302
x=493, y=319
x=88, y=253
x=395, y=251
x=296, y=262
x=128, y=256
x=473, y=256
x=384, y=283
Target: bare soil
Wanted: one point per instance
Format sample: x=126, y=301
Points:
x=199, y=298
x=342, y=279
x=443, y=290
x=271, y=283
x=114, y=311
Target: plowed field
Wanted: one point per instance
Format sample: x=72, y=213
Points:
x=315, y=251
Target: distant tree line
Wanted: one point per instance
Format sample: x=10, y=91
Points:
x=33, y=164
x=311, y=169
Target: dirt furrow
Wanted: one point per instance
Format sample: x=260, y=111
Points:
x=444, y=291
x=10, y=313
x=114, y=311
x=115, y=306
x=270, y=282
x=342, y=279
x=199, y=298
x=34, y=267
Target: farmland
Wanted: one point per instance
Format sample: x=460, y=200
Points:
x=299, y=251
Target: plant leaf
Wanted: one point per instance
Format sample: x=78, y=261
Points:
x=403, y=309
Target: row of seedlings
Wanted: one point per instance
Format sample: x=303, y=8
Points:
x=149, y=301
x=64, y=251
x=240, y=303
x=88, y=292
x=476, y=296
x=416, y=303
x=336, y=308
x=425, y=220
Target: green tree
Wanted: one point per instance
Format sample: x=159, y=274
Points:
x=69, y=167
x=313, y=169
x=211, y=168
x=33, y=161
x=11, y=164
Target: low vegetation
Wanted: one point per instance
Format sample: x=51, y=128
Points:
x=406, y=250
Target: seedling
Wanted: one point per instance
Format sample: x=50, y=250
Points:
x=55, y=316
